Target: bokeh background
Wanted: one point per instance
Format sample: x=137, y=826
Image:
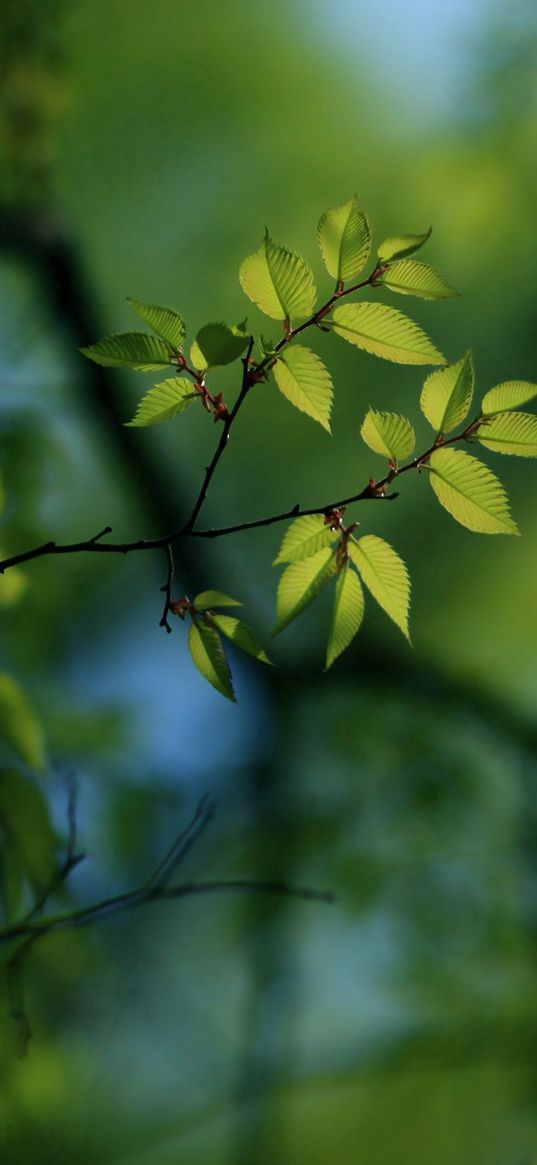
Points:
x=143, y=148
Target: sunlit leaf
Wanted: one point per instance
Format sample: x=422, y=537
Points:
x=345, y=240
x=470, y=492
x=401, y=245
x=13, y=584
x=384, y=332
x=388, y=434
x=305, y=537
x=447, y=395
x=508, y=395
x=385, y=575
x=514, y=433
x=241, y=635
x=300, y=584
x=164, y=401
x=166, y=322
x=302, y=377
x=209, y=657
x=137, y=350
x=19, y=725
x=25, y=820
x=218, y=344
x=347, y=615
x=279, y=282
x=208, y=599
x=410, y=278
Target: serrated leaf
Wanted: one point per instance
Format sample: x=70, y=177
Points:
x=303, y=378
x=301, y=583
x=136, y=350
x=347, y=615
x=208, y=654
x=470, y=492
x=305, y=537
x=388, y=434
x=447, y=395
x=410, y=278
x=514, y=433
x=19, y=725
x=241, y=635
x=345, y=240
x=163, y=402
x=384, y=332
x=207, y=599
x=385, y=575
x=508, y=395
x=279, y=282
x=25, y=820
x=400, y=246
x=217, y=344
x=166, y=322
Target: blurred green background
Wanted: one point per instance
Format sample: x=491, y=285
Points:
x=143, y=148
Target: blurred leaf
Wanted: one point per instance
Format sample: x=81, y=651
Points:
x=385, y=575
x=217, y=344
x=302, y=377
x=447, y=395
x=164, y=401
x=401, y=245
x=279, y=282
x=388, y=434
x=166, y=322
x=209, y=657
x=305, y=537
x=411, y=278
x=13, y=584
x=241, y=635
x=514, y=433
x=207, y=599
x=470, y=492
x=136, y=350
x=19, y=724
x=508, y=395
x=26, y=823
x=345, y=240
x=384, y=332
x=347, y=615
x=300, y=584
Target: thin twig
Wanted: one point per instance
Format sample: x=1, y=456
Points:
x=167, y=588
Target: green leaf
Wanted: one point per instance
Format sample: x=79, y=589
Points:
x=25, y=821
x=13, y=584
x=345, y=240
x=19, y=725
x=447, y=395
x=241, y=635
x=217, y=344
x=470, y=492
x=401, y=245
x=209, y=657
x=166, y=322
x=163, y=402
x=514, y=433
x=279, y=282
x=302, y=377
x=508, y=395
x=305, y=537
x=410, y=278
x=300, y=584
x=207, y=599
x=385, y=575
x=137, y=350
x=347, y=615
x=388, y=434
x=384, y=332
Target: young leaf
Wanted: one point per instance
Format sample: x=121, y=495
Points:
x=166, y=322
x=509, y=395
x=385, y=575
x=514, y=433
x=305, y=537
x=241, y=635
x=302, y=377
x=447, y=395
x=279, y=282
x=470, y=492
x=410, y=278
x=209, y=657
x=388, y=434
x=164, y=401
x=19, y=725
x=137, y=350
x=401, y=245
x=218, y=344
x=384, y=332
x=208, y=599
x=300, y=584
x=347, y=615
x=345, y=240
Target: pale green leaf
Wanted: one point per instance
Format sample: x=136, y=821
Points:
x=166, y=322
x=279, y=282
x=470, y=492
x=388, y=434
x=301, y=583
x=241, y=635
x=13, y=585
x=514, y=433
x=345, y=240
x=302, y=377
x=164, y=401
x=19, y=725
x=217, y=344
x=384, y=332
x=410, y=278
x=305, y=537
x=209, y=657
x=447, y=395
x=401, y=245
x=136, y=350
x=208, y=599
x=508, y=395
x=385, y=575
x=347, y=615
